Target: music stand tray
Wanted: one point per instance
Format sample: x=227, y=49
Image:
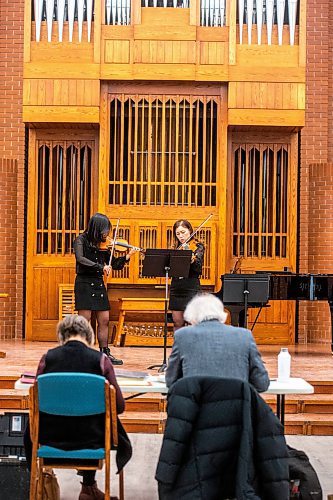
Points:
x=157, y=259
x=159, y=263
x=245, y=289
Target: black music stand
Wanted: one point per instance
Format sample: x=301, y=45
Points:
x=166, y=263
x=244, y=289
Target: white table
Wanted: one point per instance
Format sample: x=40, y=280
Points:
x=292, y=386
x=280, y=389
x=156, y=384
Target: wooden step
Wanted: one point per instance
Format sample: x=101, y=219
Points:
x=147, y=403
x=148, y=422
x=12, y=399
x=311, y=403
x=8, y=381
x=309, y=424
x=322, y=386
x=291, y=404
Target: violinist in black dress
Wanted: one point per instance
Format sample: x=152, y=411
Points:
x=182, y=290
x=92, y=264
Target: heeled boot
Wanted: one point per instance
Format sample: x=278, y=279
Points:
x=113, y=360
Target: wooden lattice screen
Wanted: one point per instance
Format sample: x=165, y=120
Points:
x=66, y=300
x=163, y=150
x=63, y=194
x=260, y=200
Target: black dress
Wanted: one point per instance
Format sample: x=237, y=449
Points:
x=90, y=291
x=182, y=290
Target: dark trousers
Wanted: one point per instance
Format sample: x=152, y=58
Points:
x=88, y=476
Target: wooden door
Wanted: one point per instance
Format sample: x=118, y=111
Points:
x=61, y=195
x=263, y=229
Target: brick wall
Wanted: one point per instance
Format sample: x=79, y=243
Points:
x=320, y=243
x=316, y=147
x=12, y=146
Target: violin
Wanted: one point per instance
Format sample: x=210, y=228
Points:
x=190, y=245
x=120, y=245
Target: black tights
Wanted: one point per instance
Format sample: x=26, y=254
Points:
x=88, y=476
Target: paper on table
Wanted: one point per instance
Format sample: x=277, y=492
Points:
x=130, y=374
x=133, y=381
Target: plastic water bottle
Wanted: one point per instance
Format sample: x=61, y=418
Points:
x=284, y=360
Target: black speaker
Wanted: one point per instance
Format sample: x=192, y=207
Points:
x=14, y=479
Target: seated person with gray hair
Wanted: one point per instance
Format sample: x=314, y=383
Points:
x=211, y=348
x=76, y=354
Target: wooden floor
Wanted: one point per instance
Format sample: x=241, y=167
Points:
x=307, y=415
x=314, y=362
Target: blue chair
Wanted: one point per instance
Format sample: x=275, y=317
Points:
x=74, y=395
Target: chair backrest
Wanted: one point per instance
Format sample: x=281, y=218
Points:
x=71, y=394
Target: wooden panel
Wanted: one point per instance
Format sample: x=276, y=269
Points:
x=276, y=324
x=117, y=32
x=212, y=53
x=56, y=92
x=59, y=52
x=118, y=71
x=268, y=117
x=211, y=73
x=70, y=114
x=208, y=34
x=117, y=51
x=164, y=51
x=163, y=72
x=61, y=70
x=43, y=330
x=154, y=32
x=272, y=56
x=46, y=294
x=165, y=17
x=266, y=74
x=263, y=95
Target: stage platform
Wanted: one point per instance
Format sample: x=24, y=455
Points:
x=305, y=414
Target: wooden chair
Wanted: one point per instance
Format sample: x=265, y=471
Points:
x=74, y=395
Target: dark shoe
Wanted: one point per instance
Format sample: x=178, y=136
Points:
x=91, y=493
x=113, y=360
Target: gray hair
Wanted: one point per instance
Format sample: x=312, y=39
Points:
x=204, y=307
x=74, y=325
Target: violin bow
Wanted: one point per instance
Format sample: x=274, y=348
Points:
x=114, y=241
x=195, y=232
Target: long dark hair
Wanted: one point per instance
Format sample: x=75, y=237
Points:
x=180, y=222
x=97, y=226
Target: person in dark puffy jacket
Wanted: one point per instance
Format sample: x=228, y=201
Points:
x=221, y=441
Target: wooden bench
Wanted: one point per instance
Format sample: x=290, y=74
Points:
x=136, y=304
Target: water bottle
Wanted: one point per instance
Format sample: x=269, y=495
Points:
x=284, y=360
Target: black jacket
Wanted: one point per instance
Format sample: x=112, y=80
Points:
x=221, y=441
x=90, y=261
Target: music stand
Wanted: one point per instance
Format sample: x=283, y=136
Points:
x=244, y=289
x=166, y=263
